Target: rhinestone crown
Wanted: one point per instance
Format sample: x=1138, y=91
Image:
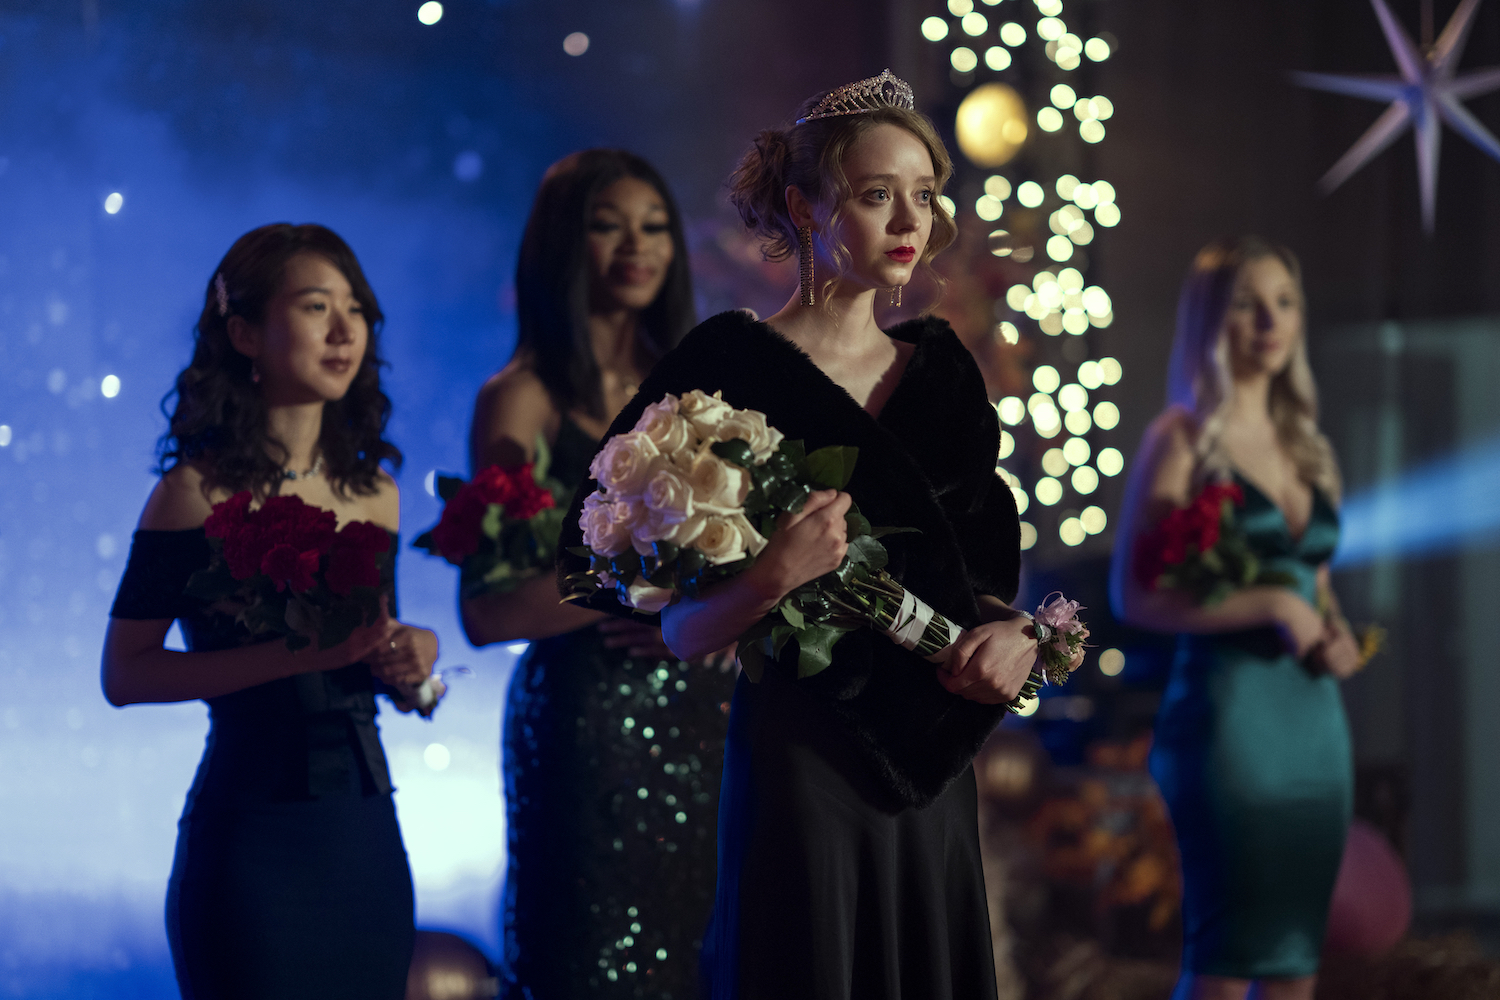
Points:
x=864, y=96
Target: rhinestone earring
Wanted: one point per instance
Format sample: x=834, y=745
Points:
x=805, y=262
x=895, y=296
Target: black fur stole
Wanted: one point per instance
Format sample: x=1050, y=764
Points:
x=927, y=463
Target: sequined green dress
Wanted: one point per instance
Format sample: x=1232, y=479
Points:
x=612, y=769
x=1252, y=755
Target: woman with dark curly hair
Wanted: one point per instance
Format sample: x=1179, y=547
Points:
x=290, y=878
x=611, y=742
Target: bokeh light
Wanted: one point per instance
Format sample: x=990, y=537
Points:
x=1111, y=661
x=430, y=12
x=1071, y=531
x=113, y=202
x=1046, y=379
x=1107, y=416
x=576, y=44
x=991, y=123
x=1030, y=194
x=1028, y=534
x=1048, y=491
x=109, y=386
x=1011, y=409
x=963, y=59
x=997, y=58
x=1085, y=480
x=1012, y=34
x=1110, y=462
x=934, y=29
x=1093, y=519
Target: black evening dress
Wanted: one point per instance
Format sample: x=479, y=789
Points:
x=290, y=880
x=849, y=858
x=611, y=792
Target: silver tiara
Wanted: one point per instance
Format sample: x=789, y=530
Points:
x=221, y=292
x=864, y=96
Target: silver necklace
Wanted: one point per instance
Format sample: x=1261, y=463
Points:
x=292, y=474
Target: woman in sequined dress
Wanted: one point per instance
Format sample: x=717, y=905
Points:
x=612, y=746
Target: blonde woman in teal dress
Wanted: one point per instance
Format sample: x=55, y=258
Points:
x=1252, y=747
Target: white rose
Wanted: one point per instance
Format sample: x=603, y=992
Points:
x=602, y=530
x=644, y=597
x=719, y=487
x=754, y=540
x=703, y=411
x=652, y=526
x=672, y=434
x=720, y=541
x=669, y=495
x=750, y=427
x=625, y=464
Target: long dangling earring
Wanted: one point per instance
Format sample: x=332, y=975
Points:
x=254, y=373
x=898, y=295
x=805, y=261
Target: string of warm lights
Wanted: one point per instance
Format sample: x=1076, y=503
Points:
x=992, y=125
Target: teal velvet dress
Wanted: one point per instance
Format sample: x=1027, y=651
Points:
x=1252, y=756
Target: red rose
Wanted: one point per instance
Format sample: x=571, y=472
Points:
x=244, y=548
x=299, y=524
x=351, y=561
x=457, y=534
x=350, y=567
x=288, y=567
x=227, y=516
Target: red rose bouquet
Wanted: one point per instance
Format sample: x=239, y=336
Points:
x=500, y=528
x=286, y=568
x=1202, y=550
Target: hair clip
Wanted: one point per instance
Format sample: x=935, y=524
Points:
x=222, y=292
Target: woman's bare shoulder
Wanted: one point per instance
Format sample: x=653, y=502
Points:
x=512, y=408
x=384, y=506
x=1169, y=451
x=181, y=499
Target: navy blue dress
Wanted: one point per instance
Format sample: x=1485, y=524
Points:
x=290, y=879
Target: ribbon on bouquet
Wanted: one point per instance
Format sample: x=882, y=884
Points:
x=912, y=623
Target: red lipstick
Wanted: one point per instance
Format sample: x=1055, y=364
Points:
x=902, y=255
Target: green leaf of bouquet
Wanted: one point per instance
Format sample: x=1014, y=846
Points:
x=735, y=451
x=302, y=618
x=857, y=523
x=580, y=550
x=212, y=583
x=448, y=487
x=830, y=468
x=884, y=530
x=783, y=465
x=794, y=451
x=792, y=613
x=867, y=551
x=780, y=635
x=493, y=521
x=626, y=565
x=815, y=649
x=543, y=461
x=752, y=657
x=691, y=560
x=665, y=551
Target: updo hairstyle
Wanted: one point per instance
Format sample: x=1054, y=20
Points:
x=811, y=157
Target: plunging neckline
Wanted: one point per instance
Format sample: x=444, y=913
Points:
x=1286, y=525
x=916, y=345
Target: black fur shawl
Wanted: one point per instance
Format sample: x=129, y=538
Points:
x=928, y=463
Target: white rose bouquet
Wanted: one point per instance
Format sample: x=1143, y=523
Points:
x=686, y=499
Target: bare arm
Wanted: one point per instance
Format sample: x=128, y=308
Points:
x=1160, y=481
x=136, y=669
x=514, y=408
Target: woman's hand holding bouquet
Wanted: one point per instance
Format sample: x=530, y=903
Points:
x=287, y=569
x=698, y=491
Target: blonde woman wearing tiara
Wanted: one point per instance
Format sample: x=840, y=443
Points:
x=848, y=836
x=1252, y=747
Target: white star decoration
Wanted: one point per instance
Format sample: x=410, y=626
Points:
x=1423, y=96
